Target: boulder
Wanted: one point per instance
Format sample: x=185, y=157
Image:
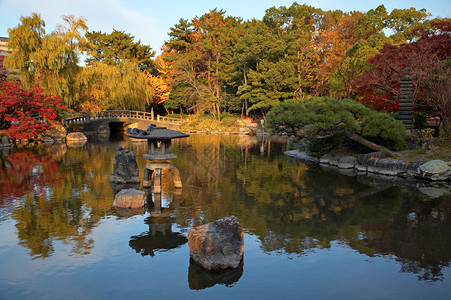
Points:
x=360, y=168
x=330, y=159
x=435, y=169
x=130, y=198
x=76, y=137
x=301, y=155
x=125, y=168
x=389, y=167
x=217, y=245
x=6, y=142
x=412, y=167
x=370, y=158
x=347, y=162
x=56, y=131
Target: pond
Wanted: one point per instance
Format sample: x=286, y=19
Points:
x=309, y=232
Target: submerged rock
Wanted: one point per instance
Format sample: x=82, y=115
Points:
x=130, y=198
x=217, y=245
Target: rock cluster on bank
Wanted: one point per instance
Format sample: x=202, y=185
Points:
x=378, y=163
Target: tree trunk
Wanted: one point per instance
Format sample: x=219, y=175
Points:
x=369, y=144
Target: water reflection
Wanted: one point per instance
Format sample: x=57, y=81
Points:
x=200, y=278
x=159, y=237
x=60, y=194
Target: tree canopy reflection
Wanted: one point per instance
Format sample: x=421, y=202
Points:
x=292, y=209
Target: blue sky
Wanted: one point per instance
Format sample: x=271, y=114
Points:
x=150, y=21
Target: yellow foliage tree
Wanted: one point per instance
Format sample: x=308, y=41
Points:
x=161, y=88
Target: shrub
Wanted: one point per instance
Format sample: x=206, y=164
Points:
x=175, y=116
x=384, y=130
x=327, y=116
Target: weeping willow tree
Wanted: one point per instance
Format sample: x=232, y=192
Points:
x=122, y=86
x=49, y=61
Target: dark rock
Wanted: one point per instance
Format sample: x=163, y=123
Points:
x=125, y=168
x=413, y=166
x=388, y=167
x=136, y=131
x=5, y=142
x=151, y=126
x=347, y=162
x=302, y=156
x=370, y=158
x=217, y=245
x=331, y=158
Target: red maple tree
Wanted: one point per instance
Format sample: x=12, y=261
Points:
x=26, y=111
x=380, y=86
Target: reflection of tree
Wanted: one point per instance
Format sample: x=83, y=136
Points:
x=22, y=172
x=418, y=234
x=294, y=209
x=65, y=200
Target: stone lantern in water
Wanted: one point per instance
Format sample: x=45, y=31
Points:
x=159, y=153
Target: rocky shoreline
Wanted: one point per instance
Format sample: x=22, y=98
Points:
x=378, y=163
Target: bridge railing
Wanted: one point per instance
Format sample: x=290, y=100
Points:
x=168, y=119
x=131, y=114
x=86, y=117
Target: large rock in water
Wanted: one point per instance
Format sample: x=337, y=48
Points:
x=217, y=245
x=125, y=168
x=435, y=169
x=130, y=198
x=76, y=137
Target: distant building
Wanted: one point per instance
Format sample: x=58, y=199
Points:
x=3, y=53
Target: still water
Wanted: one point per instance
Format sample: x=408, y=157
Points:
x=309, y=232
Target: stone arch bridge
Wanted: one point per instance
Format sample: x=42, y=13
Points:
x=118, y=120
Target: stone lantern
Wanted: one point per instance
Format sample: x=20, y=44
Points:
x=159, y=153
x=405, y=114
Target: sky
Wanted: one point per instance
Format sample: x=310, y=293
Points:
x=150, y=21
